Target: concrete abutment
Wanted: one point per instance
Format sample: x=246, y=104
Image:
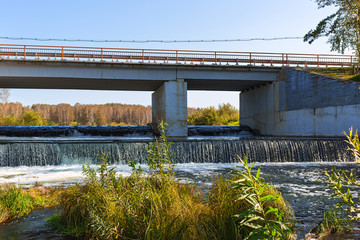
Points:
x=300, y=103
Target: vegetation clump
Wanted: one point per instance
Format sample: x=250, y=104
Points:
x=224, y=115
x=16, y=202
x=155, y=205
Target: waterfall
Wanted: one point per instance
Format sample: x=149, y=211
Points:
x=200, y=150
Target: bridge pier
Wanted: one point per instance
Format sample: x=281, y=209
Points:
x=169, y=103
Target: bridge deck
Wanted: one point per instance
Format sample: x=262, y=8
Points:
x=47, y=74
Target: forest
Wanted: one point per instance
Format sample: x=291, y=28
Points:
x=111, y=114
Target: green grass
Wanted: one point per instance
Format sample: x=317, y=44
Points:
x=341, y=73
x=16, y=202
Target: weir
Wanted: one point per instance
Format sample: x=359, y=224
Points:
x=197, y=150
x=40, y=146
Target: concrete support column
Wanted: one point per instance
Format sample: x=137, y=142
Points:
x=169, y=103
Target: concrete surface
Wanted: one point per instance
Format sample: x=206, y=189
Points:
x=169, y=103
x=302, y=104
x=129, y=76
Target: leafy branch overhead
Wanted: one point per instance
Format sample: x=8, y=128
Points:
x=342, y=27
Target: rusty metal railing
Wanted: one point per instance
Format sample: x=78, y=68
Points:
x=130, y=55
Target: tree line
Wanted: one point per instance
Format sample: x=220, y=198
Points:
x=111, y=114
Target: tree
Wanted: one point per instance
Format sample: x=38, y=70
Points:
x=30, y=118
x=4, y=95
x=342, y=27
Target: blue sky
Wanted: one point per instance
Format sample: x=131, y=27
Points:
x=158, y=19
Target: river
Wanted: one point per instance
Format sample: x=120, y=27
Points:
x=302, y=185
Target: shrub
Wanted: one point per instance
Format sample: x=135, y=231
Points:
x=9, y=121
x=224, y=115
x=30, y=118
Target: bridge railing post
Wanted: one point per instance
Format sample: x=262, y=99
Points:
x=250, y=59
x=102, y=54
x=318, y=61
x=62, y=53
x=177, y=56
x=24, y=51
x=287, y=60
x=143, y=56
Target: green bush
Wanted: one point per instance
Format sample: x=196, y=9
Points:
x=30, y=118
x=224, y=115
x=9, y=121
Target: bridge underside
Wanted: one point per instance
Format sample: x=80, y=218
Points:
x=131, y=77
x=123, y=85
x=169, y=82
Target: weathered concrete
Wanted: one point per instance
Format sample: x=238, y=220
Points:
x=169, y=103
x=302, y=104
x=129, y=76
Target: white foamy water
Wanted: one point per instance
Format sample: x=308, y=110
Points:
x=70, y=174
x=301, y=184
x=298, y=178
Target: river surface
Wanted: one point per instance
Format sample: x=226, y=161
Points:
x=302, y=185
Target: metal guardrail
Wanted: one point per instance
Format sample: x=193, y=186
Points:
x=127, y=55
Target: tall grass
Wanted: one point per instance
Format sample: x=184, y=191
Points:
x=154, y=205
x=16, y=202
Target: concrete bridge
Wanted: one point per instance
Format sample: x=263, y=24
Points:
x=264, y=80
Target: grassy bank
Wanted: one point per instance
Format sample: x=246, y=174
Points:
x=341, y=72
x=16, y=202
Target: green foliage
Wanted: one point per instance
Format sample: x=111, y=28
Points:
x=16, y=202
x=224, y=115
x=159, y=154
x=9, y=121
x=342, y=27
x=333, y=223
x=354, y=142
x=341, y=183
x=262, y=220
x=30, y=118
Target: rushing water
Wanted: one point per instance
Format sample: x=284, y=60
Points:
x=54, y=156
x=300, y=183
x=41, y=151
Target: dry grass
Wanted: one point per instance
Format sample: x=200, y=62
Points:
x=346, y=73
